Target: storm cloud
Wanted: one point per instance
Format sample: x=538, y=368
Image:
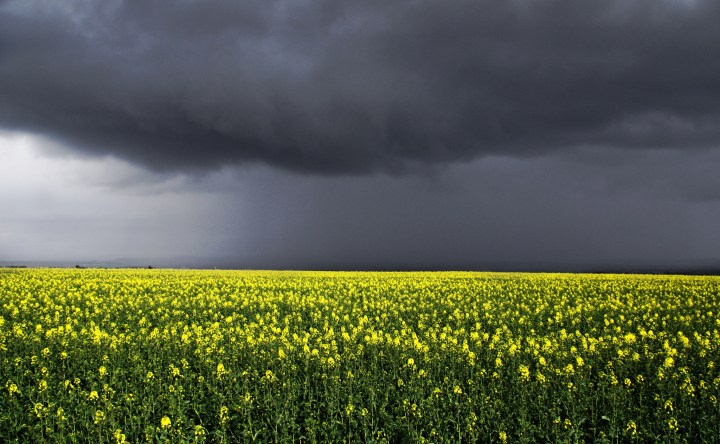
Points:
x=344, y=87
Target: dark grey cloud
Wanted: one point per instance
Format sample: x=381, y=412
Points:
x=338, y=87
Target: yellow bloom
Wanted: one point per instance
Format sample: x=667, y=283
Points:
x=39, y=409
x=223, y=414
x=220, y=370
x=631, y=428
x=13, y=388
x=120, y=437
x=165, y=422
x=540, y=378
x=524, y=371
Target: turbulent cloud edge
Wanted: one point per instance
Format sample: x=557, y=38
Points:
x=341, y=87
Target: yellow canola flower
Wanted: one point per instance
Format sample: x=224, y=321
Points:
x=503, y=437
x=39, y=409
x=668, y=405
x=12, y=388
x=223, y=416
x=631, y=428
x=120, y=437
x=524, y=371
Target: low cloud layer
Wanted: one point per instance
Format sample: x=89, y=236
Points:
x=345, y=87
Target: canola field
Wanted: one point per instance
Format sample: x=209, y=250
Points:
x=235, y=356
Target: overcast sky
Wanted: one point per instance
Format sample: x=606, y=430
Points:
x=535, y=134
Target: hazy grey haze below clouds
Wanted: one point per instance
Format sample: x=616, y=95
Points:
x=534, y=134
x=603, y=210
x=337, y=87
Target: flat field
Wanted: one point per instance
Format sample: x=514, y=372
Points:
x=236, y=356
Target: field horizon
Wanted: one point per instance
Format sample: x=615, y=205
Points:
x=698, y=267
